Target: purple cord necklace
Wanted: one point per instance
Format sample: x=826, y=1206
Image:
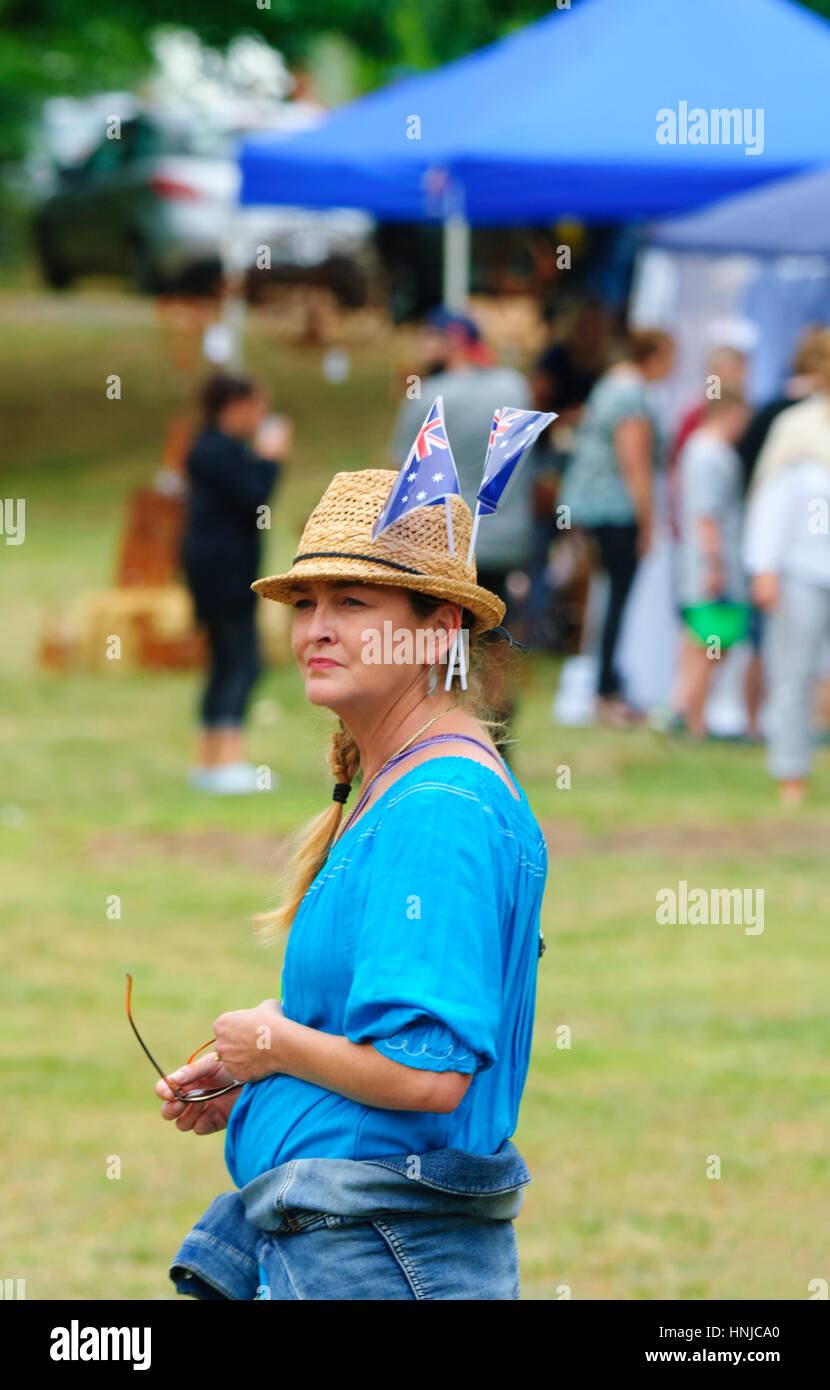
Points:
x=398, y=757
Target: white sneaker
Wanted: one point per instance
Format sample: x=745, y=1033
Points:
x=230, y=779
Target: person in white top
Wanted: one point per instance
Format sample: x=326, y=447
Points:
x=787, y=554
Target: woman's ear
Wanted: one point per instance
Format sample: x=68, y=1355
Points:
x=449, y=618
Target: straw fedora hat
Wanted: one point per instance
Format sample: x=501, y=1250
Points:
x=412, y=553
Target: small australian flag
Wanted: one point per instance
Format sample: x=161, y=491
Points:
x=512, y=434
x=427, y=476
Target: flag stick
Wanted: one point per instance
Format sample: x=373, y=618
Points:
x=457, y=647
x=449, y=526
x=473, y=534
x=451, y=662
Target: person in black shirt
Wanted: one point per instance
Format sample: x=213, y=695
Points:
x=229, y=486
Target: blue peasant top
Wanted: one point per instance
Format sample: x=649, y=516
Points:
x=420, y=936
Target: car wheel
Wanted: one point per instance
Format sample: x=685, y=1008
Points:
x=143, y=271
x=52, y=268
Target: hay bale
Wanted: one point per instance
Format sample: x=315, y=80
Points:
x=111, y=628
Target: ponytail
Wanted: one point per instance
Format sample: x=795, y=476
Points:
x=314, y=840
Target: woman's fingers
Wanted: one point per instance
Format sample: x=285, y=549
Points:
x=192, y=1071
x=189, y=1118
x=172, y=1109
x=187, y=1075
x=205, y=1074
x=206, y=1123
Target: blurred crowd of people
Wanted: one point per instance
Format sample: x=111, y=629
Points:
x=748, y=511
x=748, y=500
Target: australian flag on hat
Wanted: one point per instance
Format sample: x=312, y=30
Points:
x=427, y=476
x=512, y=434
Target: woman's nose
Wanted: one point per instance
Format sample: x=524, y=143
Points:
x=321, y=624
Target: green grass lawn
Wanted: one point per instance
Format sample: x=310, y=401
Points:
x=685, y=1042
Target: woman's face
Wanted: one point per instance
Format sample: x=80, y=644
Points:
x=243, y=415
x=359, y=645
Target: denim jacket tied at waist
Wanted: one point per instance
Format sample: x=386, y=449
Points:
x=218, y=1259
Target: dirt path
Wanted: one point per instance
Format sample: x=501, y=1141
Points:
x=265, y=852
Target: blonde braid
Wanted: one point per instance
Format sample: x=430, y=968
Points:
x=313, y=841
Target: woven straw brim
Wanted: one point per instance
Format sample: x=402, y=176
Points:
x=411, y=554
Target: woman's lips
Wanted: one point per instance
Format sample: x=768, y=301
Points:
x=318, y=663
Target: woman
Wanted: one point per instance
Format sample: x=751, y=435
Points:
x=229, y=487
x=370, y=1142
x=608, y=486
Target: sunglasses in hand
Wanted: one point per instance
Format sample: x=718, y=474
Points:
x=186, y=1097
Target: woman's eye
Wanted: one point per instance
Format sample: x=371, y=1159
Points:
x=301, y=602
x=358, y=601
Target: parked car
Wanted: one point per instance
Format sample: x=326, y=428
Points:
x=159, y=205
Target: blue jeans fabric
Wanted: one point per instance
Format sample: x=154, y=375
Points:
x=436, y=1225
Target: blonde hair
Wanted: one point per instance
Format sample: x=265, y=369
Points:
x=309, y=847
x=813, y=355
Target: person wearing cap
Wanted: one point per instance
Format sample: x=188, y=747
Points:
x=370, y=1141
x=463, y=370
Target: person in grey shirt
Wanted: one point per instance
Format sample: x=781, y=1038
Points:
x=474, y=386
x=608, y=487
x=711, y=507
x=710, y=569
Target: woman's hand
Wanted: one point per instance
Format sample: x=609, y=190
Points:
x=206, y=1074
x=247, y=1040
x=274, y=438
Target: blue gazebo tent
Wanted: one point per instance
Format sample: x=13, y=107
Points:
x=790, y=217
x=562, y=118
x=573, y=116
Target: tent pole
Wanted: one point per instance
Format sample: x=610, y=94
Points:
x=234, y=305
x=456, y=254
